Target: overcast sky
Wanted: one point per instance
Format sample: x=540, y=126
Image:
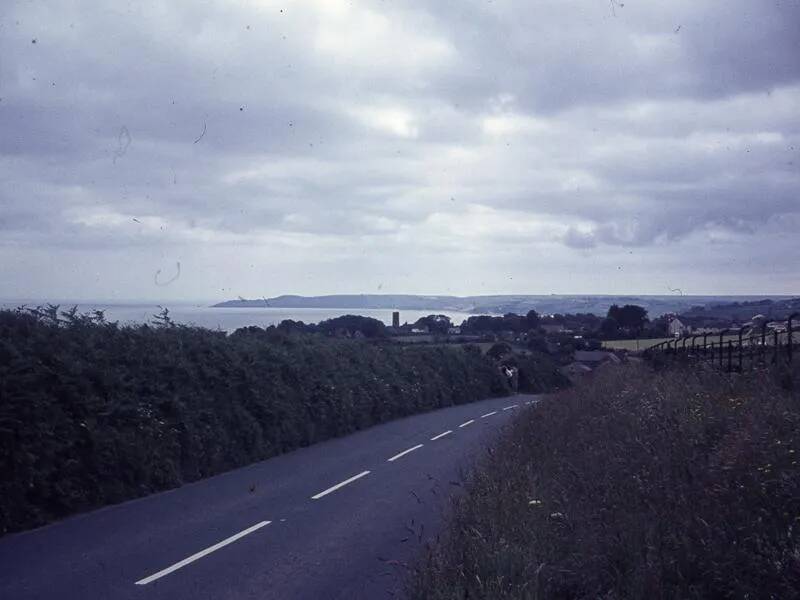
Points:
x=398, y=147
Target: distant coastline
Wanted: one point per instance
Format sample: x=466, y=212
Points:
x=498, y=304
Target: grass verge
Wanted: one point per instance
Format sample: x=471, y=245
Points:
x=633, y=484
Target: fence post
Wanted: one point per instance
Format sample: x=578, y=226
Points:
x=721, y=346
x=789, y=335
x=730, y=355
x=741, y=349
x=764, y=342
x=775, y=346
x=705, y=344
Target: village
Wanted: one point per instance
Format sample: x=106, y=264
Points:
x=578, y=344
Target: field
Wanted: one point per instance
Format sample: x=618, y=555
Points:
x=632, y=345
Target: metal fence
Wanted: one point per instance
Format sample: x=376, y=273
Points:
x=734, y=349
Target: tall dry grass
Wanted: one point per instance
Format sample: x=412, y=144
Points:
x=633, y=484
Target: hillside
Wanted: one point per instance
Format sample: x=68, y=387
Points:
x=724, y=314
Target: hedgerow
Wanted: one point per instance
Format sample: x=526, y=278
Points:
x=93, y=413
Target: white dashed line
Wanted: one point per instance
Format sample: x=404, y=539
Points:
x=339, y=485
x=257, y=526
x=201, y=554
x=404, y=452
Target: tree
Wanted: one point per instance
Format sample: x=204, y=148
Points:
x=508, y=322
x=368, y=326
x=658, y=327
x=434, y=323
x=630, y=317
x=291, y=326
x=482, y=323
x=609, y=329
x=514, y=322
x=533, y=319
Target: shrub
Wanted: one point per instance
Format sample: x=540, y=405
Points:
x=538, y=373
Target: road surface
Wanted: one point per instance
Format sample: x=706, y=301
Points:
x=340, y=519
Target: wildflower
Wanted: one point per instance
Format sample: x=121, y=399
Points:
x=535, y=502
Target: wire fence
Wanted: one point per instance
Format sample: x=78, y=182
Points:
x=748, y=347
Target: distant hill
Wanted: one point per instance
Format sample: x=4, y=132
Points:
x=723, y=314
x=499, y=304
x=366, y=301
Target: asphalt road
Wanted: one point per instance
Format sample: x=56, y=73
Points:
x=340, y=519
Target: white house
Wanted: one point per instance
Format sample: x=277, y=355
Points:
x=676, y=328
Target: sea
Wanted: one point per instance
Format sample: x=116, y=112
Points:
x=202, y=314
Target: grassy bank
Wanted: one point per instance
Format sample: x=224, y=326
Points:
x=633, y=484
x=92, y=413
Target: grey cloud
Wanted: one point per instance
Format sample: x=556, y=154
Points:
x=557, y=55
x=580, y=239
x=621, y=134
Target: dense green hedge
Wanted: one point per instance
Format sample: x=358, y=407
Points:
x=92, y=413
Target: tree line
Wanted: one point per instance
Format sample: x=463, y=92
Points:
x=628, y=321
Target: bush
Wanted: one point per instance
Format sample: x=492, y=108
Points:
x=538, y=373
x=634, y=484
x=498, y=350
x=92, y=413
